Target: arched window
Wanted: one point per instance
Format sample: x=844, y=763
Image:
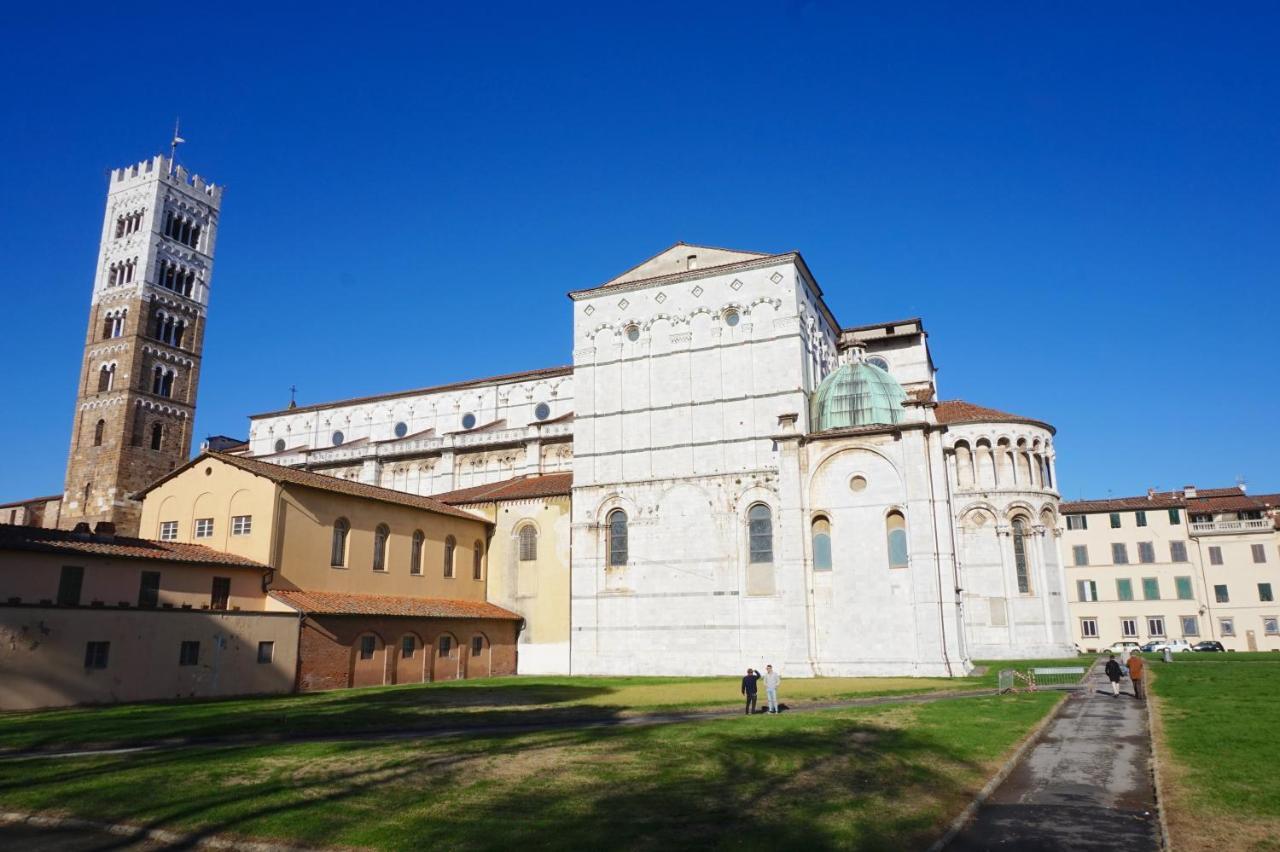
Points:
x=895, y=526
x=166, y=384
x=821, y=544
x=1020, y=556
x=617, y=537
x=760, y=533
x=97, y=432
x=528, y=543
x=279, y=445
x=106, y=377
x=415, y=553
x=338, y=553
x=477, y=562
x=450, y=545
x=157, y=380
x=380, y=536
x=108, y=326
x=157, y=435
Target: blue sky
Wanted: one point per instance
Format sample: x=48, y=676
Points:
x=1083, y=204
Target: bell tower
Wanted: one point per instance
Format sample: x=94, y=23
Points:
x=137, y=386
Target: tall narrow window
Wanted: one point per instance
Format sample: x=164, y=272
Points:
x=821, y=544
x=97, y=432
x=528, y=543
x=338, y=549
x=157, y=436
x=149, y=589
x=1020, y=556
x=895, y=526
x=617, y=523
x=380, y=536
x=69, y=584
x=477, y=562
x=106, y=375
x=220, y=595
x=450, y=545
x=760, y=533
x=415, y=553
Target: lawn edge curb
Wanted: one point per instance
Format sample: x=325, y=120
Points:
x=1162, y=818
x=962, y=819
x=138, y=832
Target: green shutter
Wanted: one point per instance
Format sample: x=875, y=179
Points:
x=1124, y=589
x=1151, y=588
x=1184, y=588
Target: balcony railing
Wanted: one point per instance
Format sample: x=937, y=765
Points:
x=1215, y=527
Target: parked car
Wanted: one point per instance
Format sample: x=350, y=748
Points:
x=1176, y=645
x=1208, y=645
x=1124, y=647
x=1152, y=646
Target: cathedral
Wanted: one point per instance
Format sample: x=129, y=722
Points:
x=725, y=476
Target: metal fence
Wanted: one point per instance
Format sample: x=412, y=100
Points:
x=1047, y=677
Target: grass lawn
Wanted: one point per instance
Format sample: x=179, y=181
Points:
x=885, y=777
x=1217, y=732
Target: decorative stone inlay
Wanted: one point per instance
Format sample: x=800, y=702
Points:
x=737, y=284
x=696, y=291
x=775, y=277
x=623, y=303
x=589, y=310
x=660, y=298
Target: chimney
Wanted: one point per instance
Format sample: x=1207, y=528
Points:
x=1151, y=494
x=1188, y=491
x=105, y=529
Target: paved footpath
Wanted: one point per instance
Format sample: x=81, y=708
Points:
x=1085, y=785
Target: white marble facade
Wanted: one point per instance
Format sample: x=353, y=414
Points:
x=687, y=410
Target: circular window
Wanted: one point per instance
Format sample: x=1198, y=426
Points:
x=280, y=445
x=337, y=439
x=877, y=361
x=633, y=333
x=858, y=483
x=401, y=429
x=543, y=411
x=208, y=471
x=468, y=421
x=732, y=318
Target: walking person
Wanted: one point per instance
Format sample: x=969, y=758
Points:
x=1135, y=674
x=771, y=682
x=1114, y=673
x=749, y=689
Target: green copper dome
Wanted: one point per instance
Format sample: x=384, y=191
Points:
x=856, y=394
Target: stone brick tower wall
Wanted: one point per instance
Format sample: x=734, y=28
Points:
x=136, y=395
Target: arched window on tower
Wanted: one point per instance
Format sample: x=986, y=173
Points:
x=97, y=432
x=157, y=435
x=760, y=533
x=157, y=380
x=178, y=328
x=380, y=536
x=821, y=544
x=338, y=548
x=528, y=543
x=106, y=377
x=166, y=385
x=617, y=523
x=1020, y=556
x=895, y=526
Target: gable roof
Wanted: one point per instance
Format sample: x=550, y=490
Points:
x=319, y=481
x=41, y=540
x=518, y=488
x=669, y=259
x=644, y=275
x=956, y=411
x=350, y=603
x=1206, y=500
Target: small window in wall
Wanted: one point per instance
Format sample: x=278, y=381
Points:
x=760, y=533
x=189, y=654
x=450, y=546
x=1089, y=628
x=1124, y=589
x=1178, y=551
x=633, y=333
x=204, y=527
x=1115, y=520
x=220, y=594
x=241, y=524
x=266, y=652
x=408, y=645
x=896, y=537
x=338, y=547
x=543, y=411
x=446, y=646
x=1146, y=552
x=821, y=544
x=1155, y=626
x=1129, y=628
x=1020, y=565
x=477, y=645
x=1227, y=626
x=732, y=318
x=1259, y=553
x=877, y=361
x=1264, y=593
x=338, y=439
x=617, y=523
x=1175, y=517
x=415, y=553
x=1270, y=625
x=401, y=429
x=1080, y=554
x=1151, y=588
x=279, y=445
x=1086, y=590
x=528, y=538
x=96, y=654
x=1119, y=554
x=70, y=582
x=380, y=536
x=367, y=646
x=477, y=561
x=1077, y=522
x=1190, y=625
x=98, y=431
x=1215, y=555
x=157, y=436
x=468, y=421
x=1221, y=593
x=168, y=530
x=1183, y=585
x=1141, y=517
x=149, y=589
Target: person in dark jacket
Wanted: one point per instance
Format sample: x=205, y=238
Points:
x=749, y=689
x=1114, y=674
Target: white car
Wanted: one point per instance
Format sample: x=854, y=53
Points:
x=1177, y=645
x=1123, y=648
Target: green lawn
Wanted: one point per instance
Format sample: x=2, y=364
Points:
x=885, y=777
x=1218, y=727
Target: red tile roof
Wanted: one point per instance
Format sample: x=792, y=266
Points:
x=319, y=481
x=31, y=500
x=519, y=488
x=1207, y=500
x=40, y=540
x=349, y=603
x=1122, y=504
x=958, y=411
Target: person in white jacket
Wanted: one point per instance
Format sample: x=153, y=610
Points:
x=771, y=681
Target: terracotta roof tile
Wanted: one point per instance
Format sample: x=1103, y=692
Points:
x=958, y=411
x=40, y=540
x=322, y=482
x=1123, y=504
x=31, y=500
x=519, y=488
x=1206, y=500
x=349, y=603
